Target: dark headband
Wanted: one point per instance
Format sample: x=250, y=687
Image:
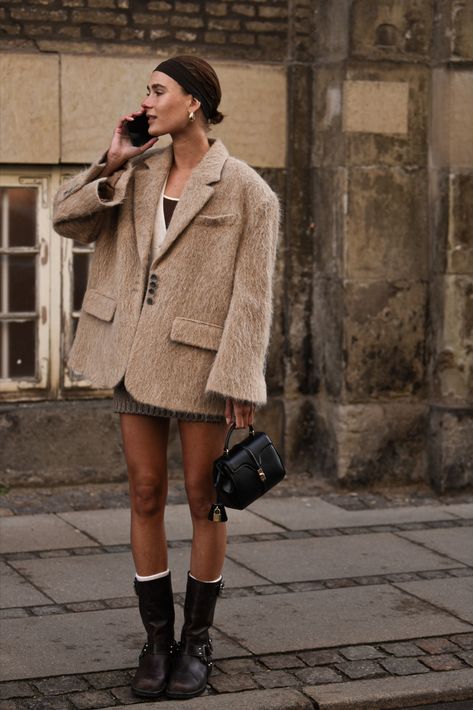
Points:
x=179, y=73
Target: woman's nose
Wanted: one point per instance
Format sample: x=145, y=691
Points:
x=144, y=103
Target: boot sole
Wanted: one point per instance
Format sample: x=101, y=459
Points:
x=185, y=696
x=148, y=693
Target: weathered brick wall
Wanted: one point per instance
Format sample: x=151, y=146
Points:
x=252, y=29
x=391, y=328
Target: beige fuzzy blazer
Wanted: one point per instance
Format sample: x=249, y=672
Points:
x=202, y=333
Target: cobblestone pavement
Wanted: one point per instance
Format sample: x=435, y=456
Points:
x=332, y=601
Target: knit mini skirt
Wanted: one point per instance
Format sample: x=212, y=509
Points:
x=124, y=403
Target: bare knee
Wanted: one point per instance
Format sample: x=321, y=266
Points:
x=148, y=499
x=199, y=502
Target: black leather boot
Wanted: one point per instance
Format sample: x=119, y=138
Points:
x=193, y=662
x=157, y=613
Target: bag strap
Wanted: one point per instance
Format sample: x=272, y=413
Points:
x=258, y=466
x=231, y=429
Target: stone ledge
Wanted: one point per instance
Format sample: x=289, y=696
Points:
x=386, y=693
x=277, y=699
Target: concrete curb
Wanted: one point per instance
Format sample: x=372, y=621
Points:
x=277, y=699
x=394, y=693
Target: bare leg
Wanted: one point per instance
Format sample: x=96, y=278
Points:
x=145, y=441
x=202, y=442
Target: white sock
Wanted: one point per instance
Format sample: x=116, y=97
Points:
x=207, y=581
x=152, y=576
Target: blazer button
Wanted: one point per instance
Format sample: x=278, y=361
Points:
x=151, y=289
x=150, y=301
x=153, y=277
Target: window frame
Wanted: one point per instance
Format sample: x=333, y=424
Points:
x=40, y=181
x=54, y=295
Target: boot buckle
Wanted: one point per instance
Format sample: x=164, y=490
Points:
x=145, y=650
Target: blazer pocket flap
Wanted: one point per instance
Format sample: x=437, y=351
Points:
x=99, y=305
x=196, y=332
x=214, y=219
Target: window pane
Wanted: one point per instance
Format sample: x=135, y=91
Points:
x=81, y=271
x=22, y=218
x=22, y=282
x=22, y=349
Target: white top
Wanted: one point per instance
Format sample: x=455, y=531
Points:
x=159, y=231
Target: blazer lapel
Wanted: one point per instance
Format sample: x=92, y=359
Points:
x=196, y=193
x=149, y=180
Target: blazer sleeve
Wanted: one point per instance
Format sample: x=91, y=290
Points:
x=84, y=203
x=238, y=370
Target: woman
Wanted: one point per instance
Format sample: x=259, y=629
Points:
x=176, y=318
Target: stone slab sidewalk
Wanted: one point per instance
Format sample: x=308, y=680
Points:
x=324, y=607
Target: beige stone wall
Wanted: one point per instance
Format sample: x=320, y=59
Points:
x=29, y=101
x=74, y=102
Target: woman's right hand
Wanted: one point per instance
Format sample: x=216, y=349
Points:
x=121, y=148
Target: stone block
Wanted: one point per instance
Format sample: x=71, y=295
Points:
x=327, y=341
x=450, y=448
x=330, y=618
x=457, y=543
x=361, y=669
x=272, y=699
x=395, y=149
x=438, y=645
x=330, y=188
x=68, y=579
x=314, y=513
x=386, y=224
x=384, y=340
x=30, y=455
x=336, y=557
x=460, y=232
x=39, y=532
x=444, y=662
x=395, y=692
x=462, y=34
x=375, y=107
x=398, y=30
x=43, y=647
x=245, y=88
x=381, y=442
x=309, y=441
x=112, y=527
x=331, y=23
x=453, y=355
x=37, y=75
x=15, y=591
x=452, y=104
x=460, y=111
x=328, y=145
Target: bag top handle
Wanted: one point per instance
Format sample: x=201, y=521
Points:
x=230, y=431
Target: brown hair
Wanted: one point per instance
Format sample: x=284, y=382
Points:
x=204, y=74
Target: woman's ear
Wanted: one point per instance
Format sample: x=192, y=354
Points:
x=195, y=104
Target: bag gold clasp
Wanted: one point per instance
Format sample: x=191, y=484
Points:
x=261, y=474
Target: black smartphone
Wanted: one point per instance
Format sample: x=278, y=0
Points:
x=138, y=130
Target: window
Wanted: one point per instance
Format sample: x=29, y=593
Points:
x=23, y=317
x=42, y=283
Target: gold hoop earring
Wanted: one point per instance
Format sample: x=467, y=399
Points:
x=192, y=116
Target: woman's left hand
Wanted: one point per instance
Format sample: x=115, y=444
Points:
x=243, y=412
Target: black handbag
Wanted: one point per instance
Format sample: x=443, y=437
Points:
x=245, y=472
